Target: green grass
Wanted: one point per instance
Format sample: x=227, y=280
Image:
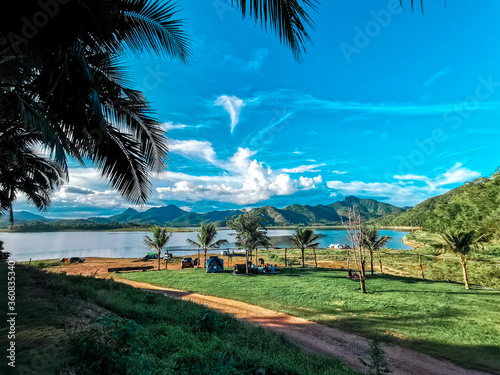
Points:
x=76, y=324
x=442, y=319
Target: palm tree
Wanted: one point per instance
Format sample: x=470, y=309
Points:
x=373, y=242
x=304, y=238
x=206, y=240
x=250, y=232
x=65, y=80
x=161, y=236
x=462, y=243
x=22, y=170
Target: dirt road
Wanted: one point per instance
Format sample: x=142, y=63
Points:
x=316, y=337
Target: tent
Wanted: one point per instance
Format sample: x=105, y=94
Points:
x=215, y=264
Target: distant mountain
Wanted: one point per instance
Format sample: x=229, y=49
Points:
x=174, y=216
x=331, y=214
x=23, y=216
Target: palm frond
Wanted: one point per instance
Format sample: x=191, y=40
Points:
x=288, y=19
x=152, y=27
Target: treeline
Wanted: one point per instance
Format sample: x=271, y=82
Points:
x=69, y=225
x=472, y=206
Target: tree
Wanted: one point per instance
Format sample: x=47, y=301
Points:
x=64, y=79
x=250, y=232
x=24, y=171
x=373, y=242
x=206, y=240
x=161, y=236
x=304, y=238
x=462, y=243
x=356, y=235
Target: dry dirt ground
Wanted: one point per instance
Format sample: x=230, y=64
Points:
x=311, y=336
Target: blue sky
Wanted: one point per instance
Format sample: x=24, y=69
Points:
x=388, y=105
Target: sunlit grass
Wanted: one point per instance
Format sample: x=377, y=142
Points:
x=442, y=319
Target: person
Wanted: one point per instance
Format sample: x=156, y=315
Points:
x=350, y=274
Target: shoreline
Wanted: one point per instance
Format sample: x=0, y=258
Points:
x=192, y=229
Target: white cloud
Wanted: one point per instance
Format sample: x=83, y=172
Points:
x=167, y=126
x=310, y=183
x=340, y=172
x=411, y=177
x=304, y=168
x=457, y=174
x=245, y=181
x=406, y=193
x=233, y=106
x=193, y=149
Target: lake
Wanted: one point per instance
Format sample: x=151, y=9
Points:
x=56, y=245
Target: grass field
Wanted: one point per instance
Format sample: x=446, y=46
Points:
x=442, y=319
x=82, y=325
x=439, y=266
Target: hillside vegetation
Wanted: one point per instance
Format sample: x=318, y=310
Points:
x=472, y=206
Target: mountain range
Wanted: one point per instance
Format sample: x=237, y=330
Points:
x=174, y=216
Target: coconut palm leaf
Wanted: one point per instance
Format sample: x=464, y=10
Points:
x=288, y=19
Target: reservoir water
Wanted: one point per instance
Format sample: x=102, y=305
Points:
x=56, y=245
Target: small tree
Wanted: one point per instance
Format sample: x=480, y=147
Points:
x=250, y=232
x=373, y=242
x=304, y=238
x=462, y=243
x=161, y=236
x=206, y=240
x=356, y=235
x=378, y=364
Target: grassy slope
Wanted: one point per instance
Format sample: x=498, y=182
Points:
x=442, y=319
x=56, y=331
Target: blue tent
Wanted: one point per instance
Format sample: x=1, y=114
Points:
x=215, y=264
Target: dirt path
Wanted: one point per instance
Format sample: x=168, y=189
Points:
x=316, y=337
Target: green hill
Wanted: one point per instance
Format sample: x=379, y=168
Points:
x=474, y=205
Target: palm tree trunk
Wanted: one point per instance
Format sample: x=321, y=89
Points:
x=159, y=253
x=466, y=279
x=205, y=257
x=198, y=263
x=371, y=261
x=303, y=261
x=315, y=260
x=246, y=263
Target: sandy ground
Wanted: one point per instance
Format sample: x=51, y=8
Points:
x=311, y=336
x=98, y=267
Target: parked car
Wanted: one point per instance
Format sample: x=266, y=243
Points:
x=168, y=256
x=76, y=260
x=187, y=263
